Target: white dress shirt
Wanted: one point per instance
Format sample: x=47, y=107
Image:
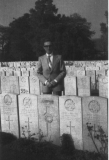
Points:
x=51, y=59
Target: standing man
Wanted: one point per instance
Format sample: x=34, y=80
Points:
x=51, y=71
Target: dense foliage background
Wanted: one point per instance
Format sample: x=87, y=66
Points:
x=72, y=35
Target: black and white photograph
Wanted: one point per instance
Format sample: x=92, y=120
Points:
x=53, y=79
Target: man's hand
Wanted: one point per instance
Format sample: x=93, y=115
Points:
x=53, y=83
x=48, y=84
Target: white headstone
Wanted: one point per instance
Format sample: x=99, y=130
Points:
x=70, y=85
x=92, y=68
x=99, y=74
x=23, y=64
x=34, y=85
x=9, y=72
x=71, y=118
x=9, y=115
x=103, y=86
x=32, y=72
x=17, y=64
x=25, y=73
x=95, y=115
x=71, y=71
x=24, y=85
x=49, y=118
x=28, y=115
x=91, y=73
x=80, y=73
x=2, y=73
x=83, y=84
x=0, y=85
x=17, y=73
x=10, y=84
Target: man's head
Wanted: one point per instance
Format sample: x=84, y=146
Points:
x=48, y=46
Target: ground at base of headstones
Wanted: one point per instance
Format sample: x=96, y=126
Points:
x=27, y=149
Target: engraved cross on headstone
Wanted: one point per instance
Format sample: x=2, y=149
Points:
x=28, y=128
x=46, y=121
x=9, y=121
x=70, y=126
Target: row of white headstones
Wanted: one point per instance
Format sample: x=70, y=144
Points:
x=28, y=115
x=47, y=117
x=87, y=65
x=76, y=81
x=81, y=85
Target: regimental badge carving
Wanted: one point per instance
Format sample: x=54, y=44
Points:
x=105, y=80
x=94, y=106
x=7, y=99
x=34, y=79
x=4, y=79
x=69, y=105
x=23, y=79
x=48, y=118
x=27, y=102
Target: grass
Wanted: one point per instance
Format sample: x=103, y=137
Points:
x=12, y=148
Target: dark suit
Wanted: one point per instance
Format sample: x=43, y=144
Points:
x=57, y=72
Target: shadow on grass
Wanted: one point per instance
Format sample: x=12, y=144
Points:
x=27, y=149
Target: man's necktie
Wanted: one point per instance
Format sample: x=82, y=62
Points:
x=49, y=62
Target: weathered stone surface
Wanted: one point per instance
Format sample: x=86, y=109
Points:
x=94, y=115
x=103, y=86
x=48, y=110
x=92, y=68
x=33, y=72
x=80, y=73
x=24, y=85
x=83, y=92
x=83, y=84
x=9, y=72
x=91, y=73
x=25, y=73
x=9, y=116
x=9, y=84
x=71, y=118
x=28, y=115
x=17, y=72
x=17, y=64
x=70, y=85
x=71, y=71
x=2, y=73
x=34, y=85
x=99, y=74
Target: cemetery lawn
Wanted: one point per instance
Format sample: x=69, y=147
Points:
x=12, y=148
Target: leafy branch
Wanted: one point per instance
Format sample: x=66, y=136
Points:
x=99, y=135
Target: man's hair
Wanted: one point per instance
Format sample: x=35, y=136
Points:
x=47, y=40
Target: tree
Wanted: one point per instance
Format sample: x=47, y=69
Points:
x=71, y=34
x=104, y=36
x=42, y=19
x=3, y=40
x=18, y=47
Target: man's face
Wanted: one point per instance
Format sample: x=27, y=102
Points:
x=48, y=47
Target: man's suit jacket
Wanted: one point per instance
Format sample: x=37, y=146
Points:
x=57, y=72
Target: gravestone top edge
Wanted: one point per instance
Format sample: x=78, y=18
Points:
x=69, y=96
x=94, y=97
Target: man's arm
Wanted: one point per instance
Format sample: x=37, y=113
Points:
x=40, y=72
x=62, y=71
